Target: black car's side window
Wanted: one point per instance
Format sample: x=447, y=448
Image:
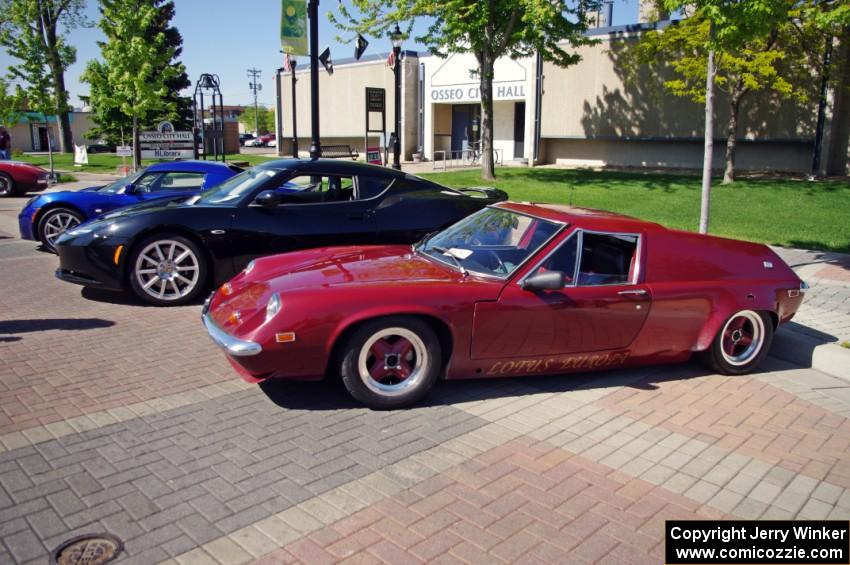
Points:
x=315, y=189
x=370, y=187
x=607, y=258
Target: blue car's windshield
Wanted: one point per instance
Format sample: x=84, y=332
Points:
x=121, y=183
x=233, y=189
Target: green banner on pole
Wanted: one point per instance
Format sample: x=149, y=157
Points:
x=293, y=27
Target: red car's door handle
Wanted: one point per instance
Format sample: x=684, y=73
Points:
x=633, y=292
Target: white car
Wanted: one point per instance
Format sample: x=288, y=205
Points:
x=253, y=143
x=272, y=143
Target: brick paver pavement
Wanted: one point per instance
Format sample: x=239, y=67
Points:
x=122, y=418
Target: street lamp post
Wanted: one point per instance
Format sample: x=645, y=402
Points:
x=396, y=39
x=315, y=143
x=292, y=63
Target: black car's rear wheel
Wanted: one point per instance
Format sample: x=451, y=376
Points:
x=741, y=344
x=7, y=185
x=54, y=223
x=391, y=362
x=167, y=270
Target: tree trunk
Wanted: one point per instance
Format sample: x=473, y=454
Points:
x=488, y=169
x=66, y=144
x=732, y=133
x=839, y=129
x=705, y=202
x=137, y=152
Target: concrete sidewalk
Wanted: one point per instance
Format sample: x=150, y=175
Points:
x=822, y=324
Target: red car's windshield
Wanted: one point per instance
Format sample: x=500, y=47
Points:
x=493, y=241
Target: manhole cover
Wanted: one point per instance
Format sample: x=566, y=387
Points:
x=88, y=549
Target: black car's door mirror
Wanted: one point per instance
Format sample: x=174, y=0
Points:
x=550, y=280
x=268, y=198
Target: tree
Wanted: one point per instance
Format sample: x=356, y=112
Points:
x=833, y=19
x=774, y=63
x=11, y=106
x=731, y=25
x=265, y=119
x=489, y=29
x=133, y=77
x=112, y=122
x=35, y=32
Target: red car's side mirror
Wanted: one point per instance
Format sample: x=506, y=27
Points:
x=550, y=280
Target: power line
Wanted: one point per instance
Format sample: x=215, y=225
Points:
x=255, y=87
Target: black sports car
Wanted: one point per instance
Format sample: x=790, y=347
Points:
x=169, y=251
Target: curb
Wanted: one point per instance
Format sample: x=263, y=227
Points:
x=807, y=351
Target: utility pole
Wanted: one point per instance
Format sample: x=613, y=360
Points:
x=315, y=141
x=255, y=86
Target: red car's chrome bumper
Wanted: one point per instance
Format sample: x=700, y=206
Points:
x=233, y=346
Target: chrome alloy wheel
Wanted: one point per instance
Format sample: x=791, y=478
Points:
x=167, y=269
x=392, y=361
x=743, y=337
x=56, y=224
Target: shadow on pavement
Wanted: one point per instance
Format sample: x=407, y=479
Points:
x=127, y=298
x=43, y=325
x=330, y=393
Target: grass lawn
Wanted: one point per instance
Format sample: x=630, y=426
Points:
x=108, y=163
x=790, y=213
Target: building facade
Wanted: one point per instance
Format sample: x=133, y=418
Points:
x=33, y=131
x=587, y=114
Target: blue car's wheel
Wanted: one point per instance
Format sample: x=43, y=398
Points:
x=167, y=269
x=54, y=223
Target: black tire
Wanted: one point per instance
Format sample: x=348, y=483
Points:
x=7, y=185
x=54, y=223
x=731, y=353
x=422, y=362
x=159, y=278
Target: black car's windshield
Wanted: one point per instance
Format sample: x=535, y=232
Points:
x=114, y=187
x=493, y=241
x=233, y=189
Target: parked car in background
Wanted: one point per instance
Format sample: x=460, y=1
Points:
x=272, y=143
x=266, y=138
x=100, y=146
x=515, y=289
x=244, y=137
x=44, y=218
x=169, y=252
x=19, y=178
x=253, y=142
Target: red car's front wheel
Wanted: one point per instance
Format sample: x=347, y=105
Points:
x=391, y=362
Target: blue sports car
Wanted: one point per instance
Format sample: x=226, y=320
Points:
x=45, y=217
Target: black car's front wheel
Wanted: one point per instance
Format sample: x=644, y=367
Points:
x=391, y=362
x=167, y=270
x=54, y=223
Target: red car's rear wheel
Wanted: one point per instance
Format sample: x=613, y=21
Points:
x=7, y=185
x=391, y=362
x=741, y=344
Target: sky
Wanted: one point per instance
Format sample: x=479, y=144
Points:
x=226, y=38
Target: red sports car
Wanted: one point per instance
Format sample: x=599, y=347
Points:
x=19, y=178
x=514, y=289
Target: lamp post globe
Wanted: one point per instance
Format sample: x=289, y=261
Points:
x=396, y=37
